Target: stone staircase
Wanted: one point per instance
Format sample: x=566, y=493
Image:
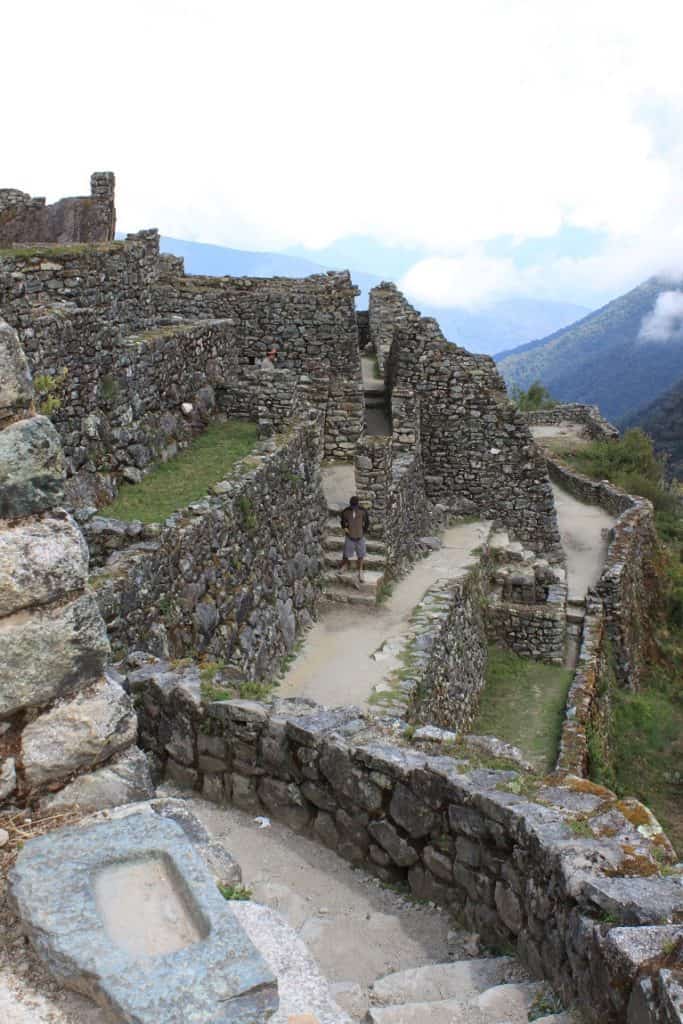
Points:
x=576, y=613
x=344, y=588
x=493, y=990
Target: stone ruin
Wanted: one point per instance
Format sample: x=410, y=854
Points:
x=144, y=357
x=25, y=220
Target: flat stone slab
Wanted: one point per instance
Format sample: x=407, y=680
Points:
x=126, y=912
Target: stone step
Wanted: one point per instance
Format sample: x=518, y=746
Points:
x=347, y=595
x=462, y=979
x=349, y=580
x=373, y=561
x=575, y=615
x=501, y=1004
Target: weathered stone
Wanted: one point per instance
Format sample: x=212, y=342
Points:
x=40, y=561
x=8, y=778
x=284, y=801
x=125, y=779
x=410, y=813
x=31, y=468
x=16, y=392
x=398, y=848
x=48, y=653
x=78, y=733
x=209, y=969
x=509, y=908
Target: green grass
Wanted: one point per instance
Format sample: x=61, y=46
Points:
x=234, y=892
x=174, y=484
x=523, y=703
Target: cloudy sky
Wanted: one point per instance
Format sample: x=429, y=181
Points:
x=474, y=151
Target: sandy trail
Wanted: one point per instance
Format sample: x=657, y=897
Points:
x=336, y=664
x=583, y=529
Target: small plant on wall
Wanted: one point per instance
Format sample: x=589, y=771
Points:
x=49, y=389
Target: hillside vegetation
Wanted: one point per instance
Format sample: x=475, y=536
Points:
x=601, y=360
x=643, y=755
x=663, y=421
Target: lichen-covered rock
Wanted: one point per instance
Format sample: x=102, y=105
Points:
x=47, y=653
x=15, y=379
x=41, y=560
x=125, y=779
x=31, y=468
x=8, y=778
x=78, y=733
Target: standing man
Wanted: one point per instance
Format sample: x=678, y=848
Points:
x=355, y=521
x=268, y=361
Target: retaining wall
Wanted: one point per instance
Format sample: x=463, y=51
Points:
x=234, y=577
x=462, y=836
x=629, y=586
x=595, y=426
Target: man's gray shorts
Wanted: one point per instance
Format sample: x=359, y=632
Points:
x=354, y=548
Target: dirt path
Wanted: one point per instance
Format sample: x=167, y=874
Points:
x=336, y=664
x=356, y=929
x=583, y=529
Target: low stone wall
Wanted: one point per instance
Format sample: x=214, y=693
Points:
x=499, y=850
x=448, y=652
x=630, y=586
x=584, y=697
x=234, y=577
x=63, y=720
x=596, y=427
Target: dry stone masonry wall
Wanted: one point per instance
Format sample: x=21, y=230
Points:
x=477, y=453
x=235, y=577
x=60, y=714
x=595, y=426
x=92, y=218
x=499, y=850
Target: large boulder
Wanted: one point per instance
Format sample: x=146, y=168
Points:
x=41, y=560
x=123, y=780
x=48, y=653
x=31, y=468
x=16, y=392
x=78, y=733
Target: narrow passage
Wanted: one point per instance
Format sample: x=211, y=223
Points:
x=336, y=665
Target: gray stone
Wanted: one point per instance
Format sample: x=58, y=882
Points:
x=8, y=777
x=78, y=733
x=462, y=979
x=125, y=779
x=31, y=468
x=16, y=392
x=40, y=561
x=50, y=652
x=304, y=992
x=491, y=746
x=410, y=813
x=191, y=961
x=398, y=848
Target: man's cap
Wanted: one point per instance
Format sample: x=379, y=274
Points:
x=354, y=500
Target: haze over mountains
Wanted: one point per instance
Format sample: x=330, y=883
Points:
x=621, y=357
x=497, y=326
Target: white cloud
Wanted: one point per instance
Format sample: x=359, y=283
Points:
x=440, y=124
x=665, y=322
x=466, y=280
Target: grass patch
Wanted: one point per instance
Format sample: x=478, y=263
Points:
x=234, y=892
x=523, y=703
x=175, y=484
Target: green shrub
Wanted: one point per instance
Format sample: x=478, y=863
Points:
x=534, y=398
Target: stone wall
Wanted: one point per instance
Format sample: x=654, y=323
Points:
x=61, y=715
x=111, y=313
x=587, y=693
x=630, y=584
x=477, y=452
x=25, y=221
x=593, y=916
x=234, y=577
x=595, y=426
x=448, y=652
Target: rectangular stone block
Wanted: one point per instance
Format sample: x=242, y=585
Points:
x=46, y=653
